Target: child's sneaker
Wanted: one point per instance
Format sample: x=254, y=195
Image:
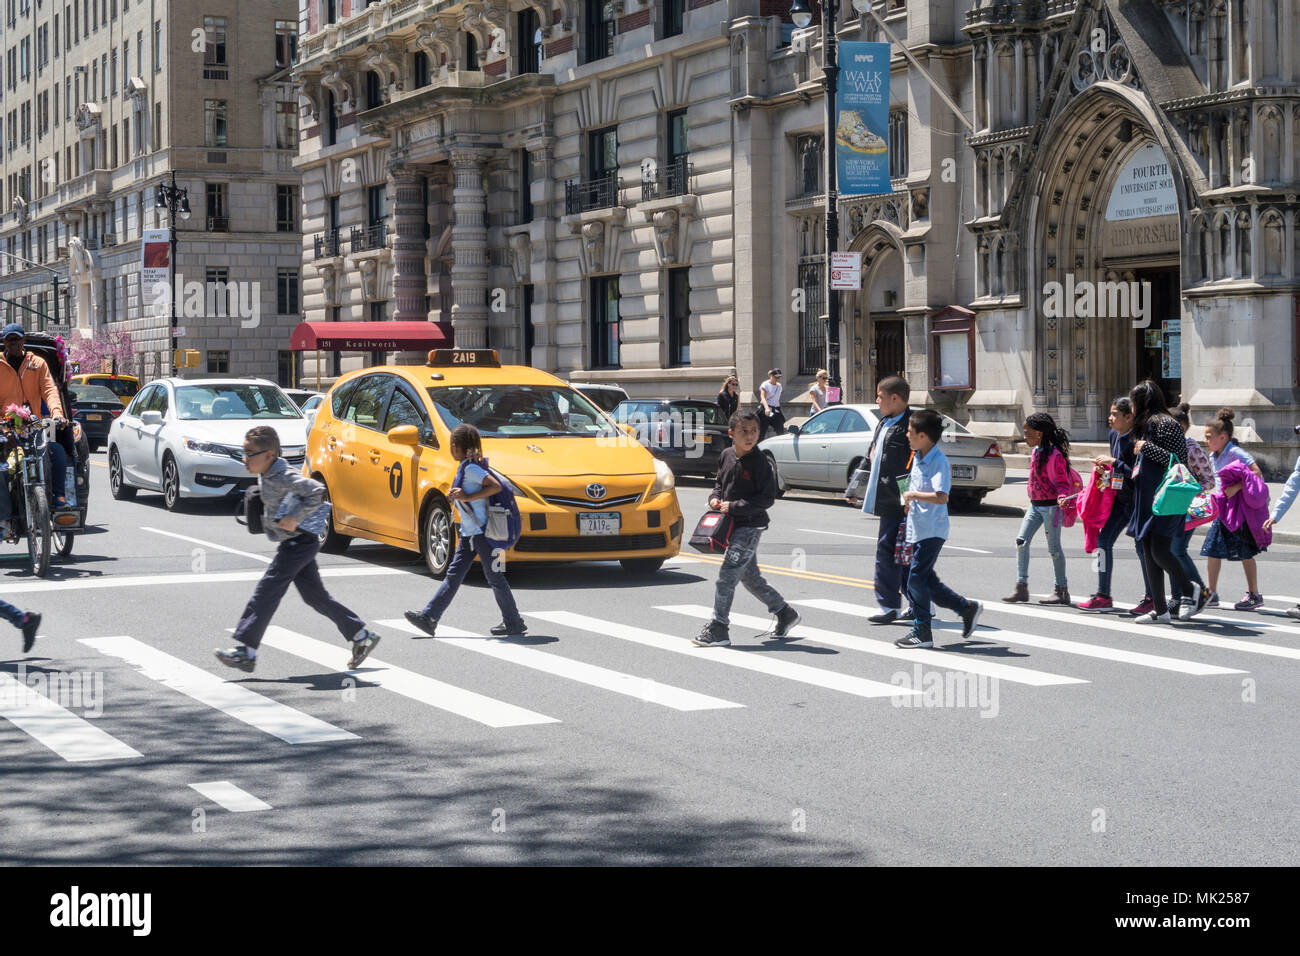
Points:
x=1146, y=607
x=361, y=648
x=422, y=621
x=1249, y=602
x=1154, y=618
x=238, y=657
x=1193, y=605
x=30, y=623
x=1098, y=602
x=970, y=617
x=917, y=638
x=513, y=630
x=712, y=634
x=1294, y=612
x=786, y=618
x=1212, y=599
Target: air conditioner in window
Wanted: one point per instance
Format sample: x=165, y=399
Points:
x=61, y=252
x=110, y=239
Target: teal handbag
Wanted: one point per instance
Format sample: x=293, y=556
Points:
x=1177, y=491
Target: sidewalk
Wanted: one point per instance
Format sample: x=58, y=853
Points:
x=1012, y=495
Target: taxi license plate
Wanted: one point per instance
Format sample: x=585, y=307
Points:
x=94, y=418
x=963, y=471
x=600, y=523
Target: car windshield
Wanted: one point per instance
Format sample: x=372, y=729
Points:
x=233, y=400
x=700, y=412
x=520, y=411
x=606, y=399
x=91, y=393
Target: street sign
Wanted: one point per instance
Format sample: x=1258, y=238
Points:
x=846, y=271
x=180, y=331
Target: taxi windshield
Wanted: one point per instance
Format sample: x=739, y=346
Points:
x=520, y=411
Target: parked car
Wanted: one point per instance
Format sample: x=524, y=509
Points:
x=604, y=397
x=95, y=408
x=824, y=452
x=184, y=437
x=311, y=406
x=687, y=434
x=300, y=396
x=124, y=387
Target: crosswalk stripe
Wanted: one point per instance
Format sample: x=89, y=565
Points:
x=73, y=738
x=232, y=798
x=426, y=690
x=858, y=686
x=642, y=688
x=950, y=660
x=162, y=580
x=271, y=716
x=1169, y=632
x=1055, y=644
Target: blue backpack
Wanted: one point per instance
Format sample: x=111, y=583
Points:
x=504, y=524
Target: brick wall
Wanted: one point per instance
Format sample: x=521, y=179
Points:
x=496, y=69
x=634, y=21
x=560, y=46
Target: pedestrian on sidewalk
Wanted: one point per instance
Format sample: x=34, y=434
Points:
x=818, y=390
x=729, y=397
x=1121, y=460
x=769, y=394
x=745, y=489
x=1049, y=483
x=1283, y=505
x=1199, y=464
x=1220, y=542
x=1162, y=442
x=296, y=512
x=474, y=485
x=891, y=456
x=926, y=500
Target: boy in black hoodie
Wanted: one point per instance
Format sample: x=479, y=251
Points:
x=745, y=489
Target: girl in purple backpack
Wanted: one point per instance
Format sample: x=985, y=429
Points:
x=1049, y=484
x=475, y=485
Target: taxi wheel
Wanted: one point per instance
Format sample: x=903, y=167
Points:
x=331, y=541
x=780, y=485
x=438, y=541
x=641, y=565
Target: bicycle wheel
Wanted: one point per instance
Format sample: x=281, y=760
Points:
x=39, y=533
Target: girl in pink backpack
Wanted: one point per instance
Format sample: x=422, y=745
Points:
x=1050, y=484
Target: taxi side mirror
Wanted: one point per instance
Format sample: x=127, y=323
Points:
x=404, y=435
x=630, y=429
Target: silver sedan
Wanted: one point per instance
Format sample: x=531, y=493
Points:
x=824, y=451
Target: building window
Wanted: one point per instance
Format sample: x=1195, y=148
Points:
x=331, y=120
x=808, y=150
x=812, y=333
x=214, y=46
x=286, y=369
x=374, y=90
x=376, y=204
x=679, y=316
x=897, y=144
x=674, y=17
x=525, y=186
x=331, y=11
x=218, y=362
x=218, y=220
x=471, y=52
x=157, y=46
x=157, y=126
x=286, y=125
x=286, y=43
x=529, y=31
x=600, y=28
x=604, y=322
x=286, y=292
x=422, y=75
x=530, y=332
x=602, y=153
x=214, y=122
x=952, y=350
x=286, y=209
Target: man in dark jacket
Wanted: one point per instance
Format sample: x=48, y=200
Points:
x=890, y=456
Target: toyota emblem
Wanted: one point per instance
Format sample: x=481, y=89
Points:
x=595, y=491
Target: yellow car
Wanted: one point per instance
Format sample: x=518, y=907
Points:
x=123, y=386
x=586, y=490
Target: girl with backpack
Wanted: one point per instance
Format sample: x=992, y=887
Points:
x=474, y=485
x=1220, y=542
x=1050, y=482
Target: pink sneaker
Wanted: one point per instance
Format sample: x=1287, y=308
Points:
x=1146, y=607
x=1098, y=602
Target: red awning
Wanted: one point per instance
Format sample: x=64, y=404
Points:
x=368, y=336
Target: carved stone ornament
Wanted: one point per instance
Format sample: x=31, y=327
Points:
x=666, y=225
x=383, y=59
x=369, y=270
x=329, y=274
x=921, y=203
x=593, y=239
x=521, y=255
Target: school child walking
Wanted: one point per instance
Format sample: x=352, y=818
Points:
x=745, y=490
x=926, y=500
x=1049, y=483
x=1220, y=543
x=476, y=484
x=296, y=512
x=1198, y=463
x=26, y=621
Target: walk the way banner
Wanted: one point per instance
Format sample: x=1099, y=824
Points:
x=862, y=119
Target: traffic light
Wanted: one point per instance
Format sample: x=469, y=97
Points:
x=185, y=358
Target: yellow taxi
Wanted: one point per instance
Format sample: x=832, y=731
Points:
x=123, y=386
x=586, y=490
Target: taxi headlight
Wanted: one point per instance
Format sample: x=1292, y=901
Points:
x=213, y=448
x=664, y=479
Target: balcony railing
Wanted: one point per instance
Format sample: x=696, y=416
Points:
x=218, y=224
x=364, y=238
x=327, y=244
x=594, y=194
x=673, y=180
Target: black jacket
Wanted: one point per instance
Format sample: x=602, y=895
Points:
x=749, y=483
x=728, y=404
x=893, y=465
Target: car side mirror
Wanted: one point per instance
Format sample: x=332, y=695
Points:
x=629, y=429
x=404, y=435
x=151, y=417
x=792, y=429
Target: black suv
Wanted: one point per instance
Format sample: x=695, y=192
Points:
x=688, y=434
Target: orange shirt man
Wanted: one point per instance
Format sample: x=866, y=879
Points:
x=24, y=376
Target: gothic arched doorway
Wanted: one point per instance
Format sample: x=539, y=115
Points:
x=877, y=327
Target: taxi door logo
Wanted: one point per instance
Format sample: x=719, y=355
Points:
x=395, y=479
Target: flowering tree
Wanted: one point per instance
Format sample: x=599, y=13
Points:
x=97, y=353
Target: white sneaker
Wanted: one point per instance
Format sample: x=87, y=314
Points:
x=1191, y=606
x=1154, y=618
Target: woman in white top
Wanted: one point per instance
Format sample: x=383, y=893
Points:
x=818, y=390
x=770, y=396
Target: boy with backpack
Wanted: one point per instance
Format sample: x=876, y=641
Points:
x=296, y=511
x=473, y=486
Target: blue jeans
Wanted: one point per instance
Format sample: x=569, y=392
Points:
x=891, y=578
x=12, y=614
x=1047, y=517
x=924, y=586
x=740, y=566
x=58, y=471
x=466, y=548
x=1179, y=550
x=1115, y=526
x=294, y=563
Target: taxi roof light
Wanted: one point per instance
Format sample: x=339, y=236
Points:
x=464, y=358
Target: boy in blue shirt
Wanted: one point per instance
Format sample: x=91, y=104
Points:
x=926, y=500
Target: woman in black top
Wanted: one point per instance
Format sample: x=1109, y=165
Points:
x=729, y=397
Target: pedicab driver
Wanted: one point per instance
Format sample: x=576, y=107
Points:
x=25, y=379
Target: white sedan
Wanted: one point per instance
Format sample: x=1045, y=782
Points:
x=184, y=437
x=824, y=451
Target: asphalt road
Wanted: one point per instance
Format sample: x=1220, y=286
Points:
x=604, y=737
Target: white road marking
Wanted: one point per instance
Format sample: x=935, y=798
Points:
x=950, y=661
x=858, y=686
x=227, y=795
x=871, y=537
x=426, y=690
x=271, y=716
x=73, y=738
x=193, y=577
x=209, y=544
x=641, y=688
x=1184, y=633
x=1055, y=644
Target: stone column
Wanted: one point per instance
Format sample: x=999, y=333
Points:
x=542, y=249
x=1018, y=106
x=409, y=217
x=469, y=277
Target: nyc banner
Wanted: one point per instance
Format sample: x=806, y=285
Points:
x=862, y=119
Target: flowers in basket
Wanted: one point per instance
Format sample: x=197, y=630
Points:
x=16, y=416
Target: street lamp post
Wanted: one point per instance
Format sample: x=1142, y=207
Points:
x=175, y=200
